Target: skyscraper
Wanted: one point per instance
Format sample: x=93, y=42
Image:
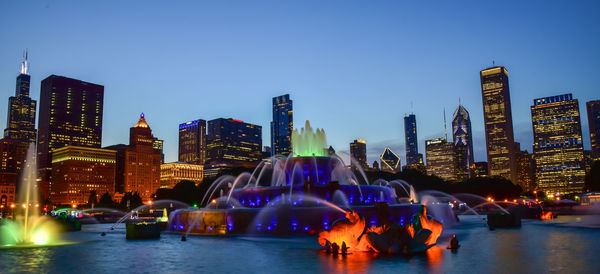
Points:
x=192, y=142
x=138, y=164
x=593, y=113
x=440, y=156
x=525, y=170
x=557, y=144
x=358, y=151
x=233, y=142
x=413, y=157
x=20, y=125
x=461, y=132
x=497, y=116
x=282, y=125
x=390, y=161
x=70, y=115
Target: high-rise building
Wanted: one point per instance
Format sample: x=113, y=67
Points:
x=70, y=115
x=77, y=171
x=413, y=157
x=462, y=135
x=557, y=144
x=138, y=164
x=192, y=142
x=173, y=173
x=358, y=151
x=159, y=144
x=525, y=170
x=20, y=125
x=390, y=161
x=479, y=169
x=593, y=113
x=440, y=157
x=282, y=125
x=497, y=116
x=233, y=142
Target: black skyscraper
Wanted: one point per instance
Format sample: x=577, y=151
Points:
x=282, y=125
x=70, y=114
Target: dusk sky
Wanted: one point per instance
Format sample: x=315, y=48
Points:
x=351, y=67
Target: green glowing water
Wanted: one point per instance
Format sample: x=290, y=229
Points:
x=308, y=142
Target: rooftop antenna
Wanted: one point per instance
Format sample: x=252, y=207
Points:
x=25, y=63
x=459, y=101
x=493, y=63
x=445, y=130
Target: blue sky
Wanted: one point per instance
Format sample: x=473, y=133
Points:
x=351, y=67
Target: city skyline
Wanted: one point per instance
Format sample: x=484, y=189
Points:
x=313, y=95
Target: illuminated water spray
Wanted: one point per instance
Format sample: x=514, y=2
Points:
x=308, y=142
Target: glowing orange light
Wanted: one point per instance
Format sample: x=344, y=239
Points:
x=535, y=192
x=505, y=200
x=74, y=205
x=24, y=205
x=12, y=206
x=37, y=205
x=149, y=202
x=214, y=201
x=546, y=216
x=1, y=206
x=515, y=200
x=558, y=198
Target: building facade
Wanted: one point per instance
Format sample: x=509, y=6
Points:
x=173, y=173
x=497, y=116
x=557, y=144
x=192, y=142
x=390, y=161
x=282, y=125
x=138, y=164
x=526, y=170
x=463, y=136
x=233, y=142
x=440, y=156
x=77, y=171
x=593, y=114
x=70, y=115
x=479, y=169
x=358, y=151
x=413, y=157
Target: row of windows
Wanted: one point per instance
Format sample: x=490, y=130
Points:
x=555, y=119
x=558, y=143
x=558, y=168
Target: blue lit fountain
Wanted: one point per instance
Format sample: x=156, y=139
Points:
x=304, y=193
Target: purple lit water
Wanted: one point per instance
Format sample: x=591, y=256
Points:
x=538, y=247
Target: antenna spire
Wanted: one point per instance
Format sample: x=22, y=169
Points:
x=25, y=64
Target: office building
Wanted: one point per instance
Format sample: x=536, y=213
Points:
x=440, y=157
x=192, y=142
x=462, y=134
x=233, y=142
x=173, y=173
x=390, y=161
x=358, y=151
x=558, y=144
x=77, y=171
x=413, y=157
x=497, y=116
x=282, y=125
x=593, y=114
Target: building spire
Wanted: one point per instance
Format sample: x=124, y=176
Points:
x=25, y=64
x=445, y=130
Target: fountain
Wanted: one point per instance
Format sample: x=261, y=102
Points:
x=305, y=194
x=28, y=228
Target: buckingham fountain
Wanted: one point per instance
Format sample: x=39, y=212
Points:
x=310, y=193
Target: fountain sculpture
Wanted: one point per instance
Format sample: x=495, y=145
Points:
x=306, y=193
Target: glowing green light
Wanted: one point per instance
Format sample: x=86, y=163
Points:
x=307, y=142
x=40, y=237
x=195, y=205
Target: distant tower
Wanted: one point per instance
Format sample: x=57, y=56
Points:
x=192, y=142
x=461, y=132
x=282, y=125
x=497, y=117
x=593, y=112
x=358, y=151
x=413, y=156
x=390, y=161
x=20, y=125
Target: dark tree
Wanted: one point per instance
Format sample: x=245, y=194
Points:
x=106, y=201
x=92, y=199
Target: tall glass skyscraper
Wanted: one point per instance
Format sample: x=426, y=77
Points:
x=462, y=135
x=497, y=116
x=192, y=142
x=557, y=144
x=282, y=125
x=233, y=142
x=593, y=112
x=410, y=135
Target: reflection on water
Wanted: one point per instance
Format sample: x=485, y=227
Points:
x=538, y=247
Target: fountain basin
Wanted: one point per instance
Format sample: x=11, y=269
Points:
x=280, y=220
x=142, y=230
